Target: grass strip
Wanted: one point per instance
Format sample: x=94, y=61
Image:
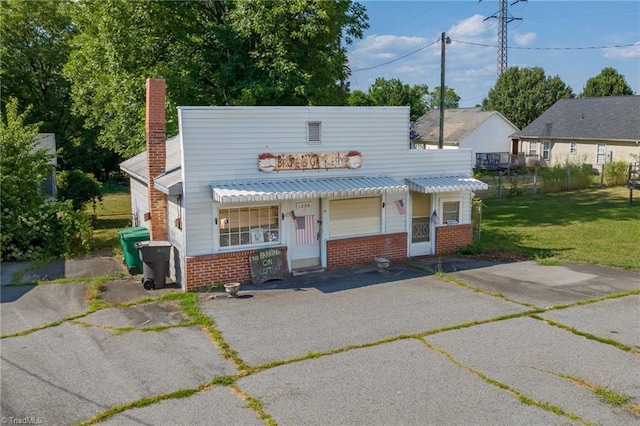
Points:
x=595, y=300
x=256, y=405
x=522, y=398
x=589, y=336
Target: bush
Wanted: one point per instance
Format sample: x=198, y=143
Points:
x=79, y=187
x=54, y=229
x=569, y=176
x=616, y=173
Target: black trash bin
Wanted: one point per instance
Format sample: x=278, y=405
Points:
x=155, y=257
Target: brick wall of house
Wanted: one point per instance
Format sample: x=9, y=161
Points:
x=155, y=129
x=450, y=238
x=222, y=268
x=350, y=252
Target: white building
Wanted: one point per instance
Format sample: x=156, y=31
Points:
x=251, y=193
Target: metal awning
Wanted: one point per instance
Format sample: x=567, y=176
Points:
x=243, y=192
x=431, y=185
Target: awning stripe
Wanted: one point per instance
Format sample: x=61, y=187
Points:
x=431, y=185
x=254, y=191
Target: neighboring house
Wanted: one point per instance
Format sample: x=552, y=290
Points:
x=47, y=141
x=242, y=192
x=584, y=130
x=485, y=132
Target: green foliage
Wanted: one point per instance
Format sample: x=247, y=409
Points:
x=616, y=173
x=608, y=83
x=23, y=164
x=565, y=177
x=79, y=187
x=451, y=98
x=523, y=94
x=393, y=92
x=211, y=53
x=50, y=230
x=29, y=227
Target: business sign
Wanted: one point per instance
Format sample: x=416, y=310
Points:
x=268, y=162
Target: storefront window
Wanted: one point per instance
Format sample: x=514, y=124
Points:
x=355, y=216
x=249, y=225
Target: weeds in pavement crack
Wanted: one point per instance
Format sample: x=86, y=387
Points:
x=522, y=398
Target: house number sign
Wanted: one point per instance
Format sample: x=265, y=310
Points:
x=303, y=205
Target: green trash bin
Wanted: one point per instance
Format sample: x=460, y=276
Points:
x=128, y=238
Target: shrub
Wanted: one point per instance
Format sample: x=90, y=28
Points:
x=615, y=173
x=79, y=187
x=569, y=176
x=54, y=229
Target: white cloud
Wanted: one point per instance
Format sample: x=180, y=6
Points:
x=629, y=52
x=524, y=39
x=472, y=27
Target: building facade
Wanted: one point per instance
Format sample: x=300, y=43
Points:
x=250, y=193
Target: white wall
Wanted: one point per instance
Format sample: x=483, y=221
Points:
x=223, y=143
x=139, y=203
x=492, y=135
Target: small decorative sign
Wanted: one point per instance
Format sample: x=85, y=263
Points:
x=268, y=162
x=303, y=205
x=268, y=264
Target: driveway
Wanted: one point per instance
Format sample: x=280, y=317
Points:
x=477, y=343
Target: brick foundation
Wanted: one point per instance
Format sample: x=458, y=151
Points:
x=350, y=252
x=451, y=237
x=207, y=270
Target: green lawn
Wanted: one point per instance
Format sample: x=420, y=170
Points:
x=591, y=226
x=112, y=214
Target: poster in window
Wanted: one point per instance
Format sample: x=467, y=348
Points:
x=257, y=235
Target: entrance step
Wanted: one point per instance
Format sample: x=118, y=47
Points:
x=305, y=271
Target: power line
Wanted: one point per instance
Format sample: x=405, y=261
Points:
x=550, y=48
x=396, y=59
x=504, y=18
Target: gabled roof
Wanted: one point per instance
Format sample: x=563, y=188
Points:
x=137, y=166
x=458, y=123
x=608, y=118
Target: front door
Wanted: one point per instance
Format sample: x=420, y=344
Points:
x=420, y=224
x=305, y=234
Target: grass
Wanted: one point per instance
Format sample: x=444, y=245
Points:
x=112, y=214
x=589, y=226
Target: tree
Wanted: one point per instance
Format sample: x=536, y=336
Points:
x=393, y=92
x=451, y=98
x=522, y=94
x=284, y=52
x=35, y=47
x=608, y=83
x=29, y=227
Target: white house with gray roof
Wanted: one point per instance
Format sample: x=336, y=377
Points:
x=585, y=130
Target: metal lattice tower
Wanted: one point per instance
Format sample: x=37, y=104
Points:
x=504, y=17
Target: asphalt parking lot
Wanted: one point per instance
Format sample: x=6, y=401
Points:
x=452, y=341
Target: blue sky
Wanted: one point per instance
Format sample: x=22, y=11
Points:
x=398, y=28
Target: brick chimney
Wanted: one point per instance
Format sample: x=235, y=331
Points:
x=155, y=130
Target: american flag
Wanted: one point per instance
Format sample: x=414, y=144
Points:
x=434, y=218
x=400, y=206
x=305, y=233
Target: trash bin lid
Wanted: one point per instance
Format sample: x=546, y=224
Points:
x=152, y=244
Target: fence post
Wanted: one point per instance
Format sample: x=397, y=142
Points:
x=499, y=184
x=602, y=176
x=535, y=180
x=568, y=177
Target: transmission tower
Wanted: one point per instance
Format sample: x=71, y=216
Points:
x=504, y=17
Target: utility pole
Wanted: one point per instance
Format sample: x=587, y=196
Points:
x=503, y=17
x=443, y=41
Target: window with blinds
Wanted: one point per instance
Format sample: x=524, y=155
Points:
x=355, y=216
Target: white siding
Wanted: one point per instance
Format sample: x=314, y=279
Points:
x=493, y=135
x=223, y=143
x=176, y=237
x=139, y=203
x=394, y=221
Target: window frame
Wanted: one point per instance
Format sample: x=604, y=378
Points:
x=248, y=236
x=443, y=212
x=573, y=148
x=533, y=148
x=546, y=150
x=601, y=154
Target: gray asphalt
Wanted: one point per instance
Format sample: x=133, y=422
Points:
x=483, y=343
